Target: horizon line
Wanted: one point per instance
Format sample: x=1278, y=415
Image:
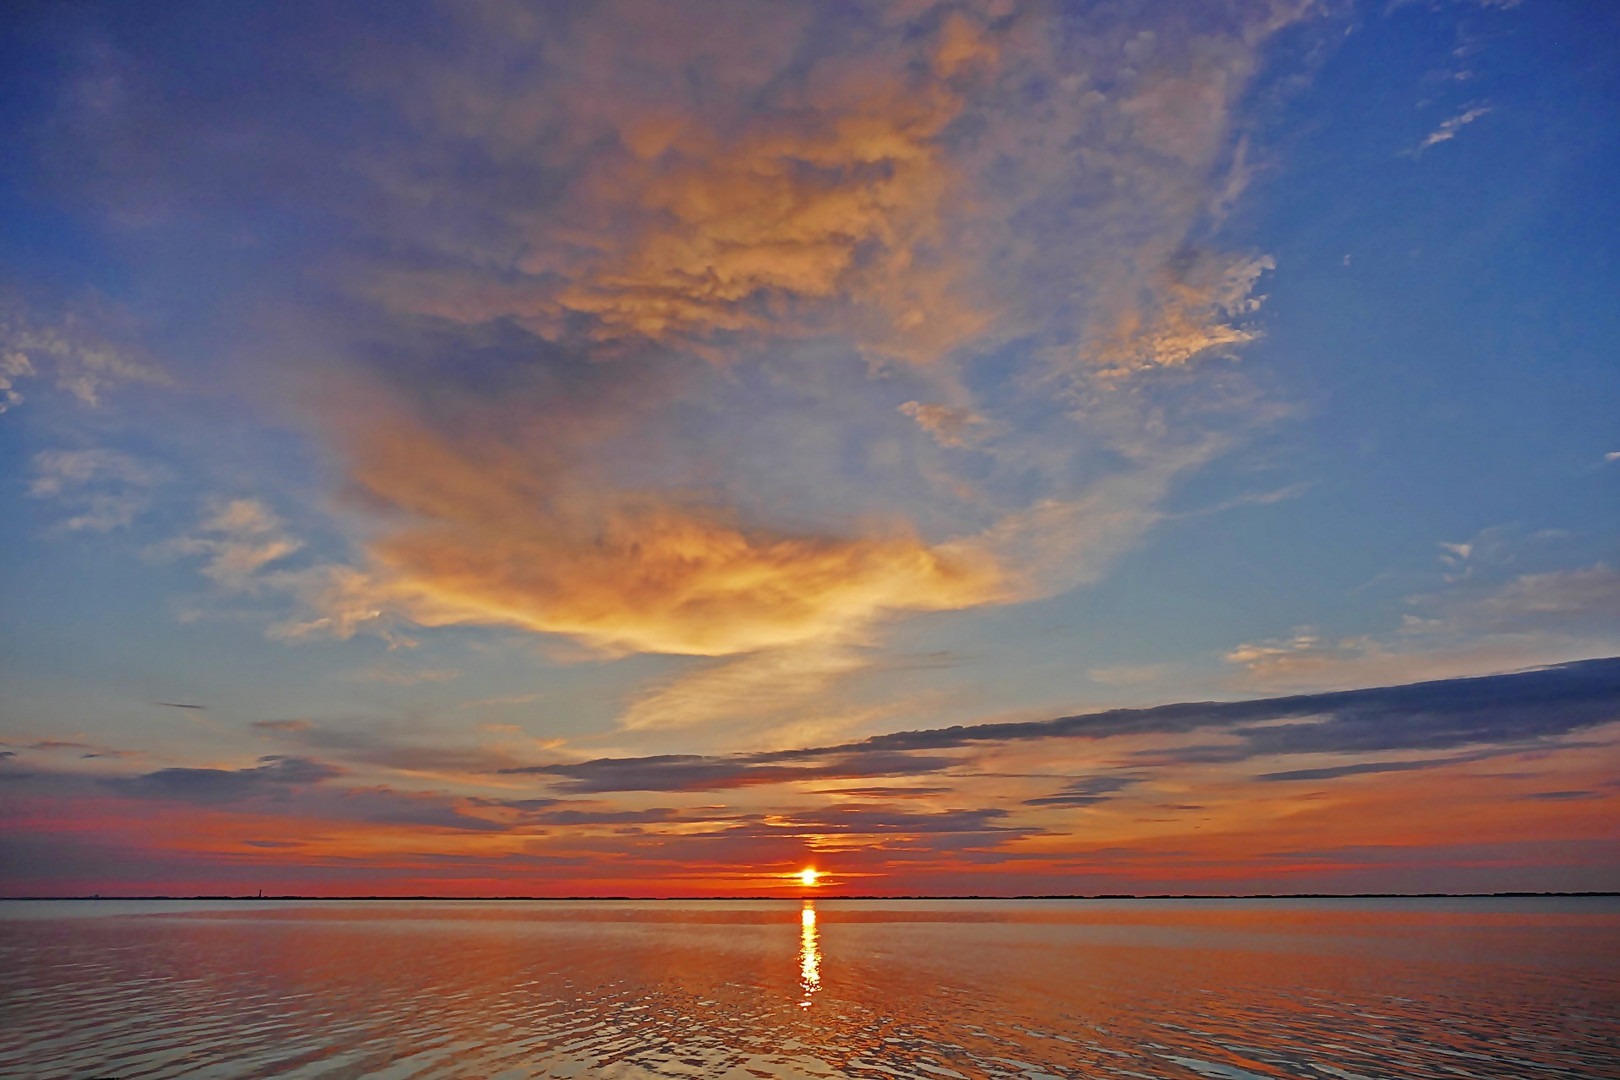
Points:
x=862, y=896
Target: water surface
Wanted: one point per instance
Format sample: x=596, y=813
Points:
x=934, y=990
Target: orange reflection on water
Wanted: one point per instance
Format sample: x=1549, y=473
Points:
x=809, y=954
x=1516, y=987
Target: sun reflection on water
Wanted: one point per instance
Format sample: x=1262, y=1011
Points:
x=809, y=954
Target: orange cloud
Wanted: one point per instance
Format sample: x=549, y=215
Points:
x=935, y=183
x=948, y=426
x=831, y=208
x=1188, y=312
x=485, y=536
x=790, y=210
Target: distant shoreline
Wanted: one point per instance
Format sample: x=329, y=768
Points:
x=845, y=896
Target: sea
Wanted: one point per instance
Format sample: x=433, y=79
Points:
x=1328, y=989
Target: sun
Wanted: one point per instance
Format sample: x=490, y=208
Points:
x=808, y=876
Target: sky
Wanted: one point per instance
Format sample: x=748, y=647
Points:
x=649, y=448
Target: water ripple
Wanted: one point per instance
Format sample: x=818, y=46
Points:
x=341, y=991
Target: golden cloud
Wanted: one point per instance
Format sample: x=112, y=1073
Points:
x=1191, y=310
x=815, y=207
x=940, y=183
x=484, y=536
x=666, y=579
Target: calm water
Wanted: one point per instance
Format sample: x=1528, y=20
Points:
x=1338, y=990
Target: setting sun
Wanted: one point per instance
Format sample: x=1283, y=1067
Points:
x=808, y=876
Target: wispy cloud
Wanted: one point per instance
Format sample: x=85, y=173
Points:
x=85, y=363
x=1449, y=128
x=659, y=402
x=399, y=676
x=949, y=426
x=1472, y=626
x=275, y=775
x=103, y=488
x=1287, y=788
x=1509, y=709
x=236, y=540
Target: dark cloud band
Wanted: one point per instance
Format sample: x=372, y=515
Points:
x=1512, y=709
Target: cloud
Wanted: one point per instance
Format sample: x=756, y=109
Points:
x=630, y=295
x=1192, y=311
x=85, y=362
x=1548, y=702
x=379, y=673
x=412, y=751
x=833, y=821
x=238, y=539
x=282, y=725
x=1516, y=709
x=949, y=427
x=385, y=806
x=815, y=196
x=1564, y=599
x=1448, y=129
x=276, y=776
x=14, y=366
x=667, y=579
x=1129, y=674
x=291, y=786
x=749, y=689
x=1471, y=627
x=774, y=199
x=917, y=792
x=1302, y=652
x=107, y=489
x=1086, y=792
x=1365, y=768
x=693, y=772
x=484, y=537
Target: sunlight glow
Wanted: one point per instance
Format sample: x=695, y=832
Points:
x=808, y=876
